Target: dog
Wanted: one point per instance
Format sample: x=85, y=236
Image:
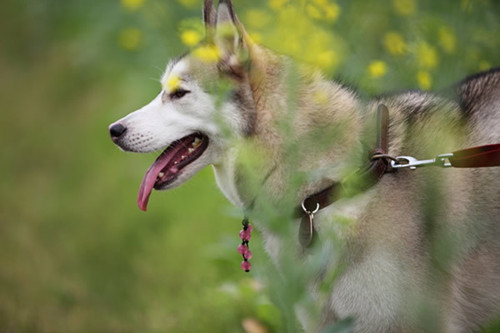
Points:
x=276, y=132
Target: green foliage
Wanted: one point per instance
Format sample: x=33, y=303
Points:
x=75, y=252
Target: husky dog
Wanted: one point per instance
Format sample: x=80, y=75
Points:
x=298, y=123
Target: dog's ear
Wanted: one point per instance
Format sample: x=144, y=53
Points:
x=231, y=38
x=209, y=18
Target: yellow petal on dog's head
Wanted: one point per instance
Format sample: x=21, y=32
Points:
x=207, y=53
x=171, y=83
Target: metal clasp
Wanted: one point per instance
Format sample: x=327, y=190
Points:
x=402, y=162
x=311, y=217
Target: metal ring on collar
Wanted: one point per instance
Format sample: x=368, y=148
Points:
x=385, y=157
x=309, y=212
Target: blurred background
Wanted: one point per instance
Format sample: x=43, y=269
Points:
x=76, y=254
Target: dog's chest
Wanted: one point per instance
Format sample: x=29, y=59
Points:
x=374, y=278
x=370, y=291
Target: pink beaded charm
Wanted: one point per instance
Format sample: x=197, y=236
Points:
x=248, y=255
x=243, y=249
x=245, y=235
x=246, y=265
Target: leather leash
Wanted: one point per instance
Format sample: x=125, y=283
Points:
x=380, y=164
x=477, y=157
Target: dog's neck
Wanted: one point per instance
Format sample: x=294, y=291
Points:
x=304, y=137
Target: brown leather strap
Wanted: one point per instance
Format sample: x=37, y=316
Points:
x=365, y=179
x=477, y=157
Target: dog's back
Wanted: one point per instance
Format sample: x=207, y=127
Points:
x=430, y=238
x=476, y=289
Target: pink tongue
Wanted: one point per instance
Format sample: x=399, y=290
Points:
x=149, y=180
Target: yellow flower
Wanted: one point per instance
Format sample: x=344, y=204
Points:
x=405, y=7
x=130, y=38
x=427, y=56
x=191, y=37
x=424, y=80
x=277, y=4
x=447, y=40
x=394, y=43
x=132, y=4
x=377, y=69
x=311, y=42
x=332, y=12
x=207, y=53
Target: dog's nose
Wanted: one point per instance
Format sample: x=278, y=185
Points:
x=116, y=131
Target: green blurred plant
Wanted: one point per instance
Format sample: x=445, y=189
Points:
x=76, y=254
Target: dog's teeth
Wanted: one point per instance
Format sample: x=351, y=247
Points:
x=196, y=142
x=183, y=157
x=161, y=174
x=190, y=150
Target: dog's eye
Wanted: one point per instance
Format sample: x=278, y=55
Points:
x=179, y=93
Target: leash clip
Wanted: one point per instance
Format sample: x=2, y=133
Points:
x=402, y=162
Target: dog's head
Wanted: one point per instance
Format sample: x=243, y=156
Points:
x=189, y=117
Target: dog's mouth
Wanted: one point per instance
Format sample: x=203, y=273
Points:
x=168, y=166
